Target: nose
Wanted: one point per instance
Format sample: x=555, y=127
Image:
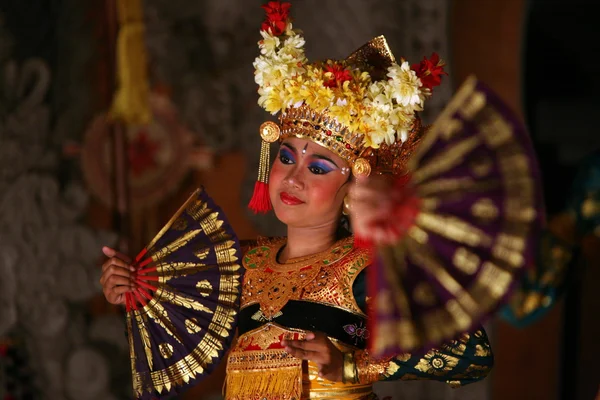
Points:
x=295, y=178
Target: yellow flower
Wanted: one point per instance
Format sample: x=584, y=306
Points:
x=316, y=96
x=274, y=102
x=382, y=111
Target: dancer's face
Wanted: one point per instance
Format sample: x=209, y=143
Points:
x=307, y=184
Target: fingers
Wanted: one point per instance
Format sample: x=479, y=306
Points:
x=367, y=215
x=331, y=373
x=115, y=288
x=365, y=186
x=116, y=284
x=370, y=197
x=374, y=205
x=304, y=345
x=114, y=270
x=116, y=280
x=366, y=219
x=369, y=203
x=320, y=350
x=302, y=354
x=382, y=234
x=117, y=296
x=312, y=341
x=117, y=262
x=314, y=348
x=110, y=253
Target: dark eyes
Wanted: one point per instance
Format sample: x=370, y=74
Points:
x=317, y=170
x=316, y=167
x=285, y=159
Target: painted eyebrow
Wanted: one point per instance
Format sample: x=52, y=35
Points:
x=289, y=146
x=315, y=155
x=322, y=157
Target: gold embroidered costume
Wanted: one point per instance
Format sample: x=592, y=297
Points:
x=365, y=110
x=325, y=293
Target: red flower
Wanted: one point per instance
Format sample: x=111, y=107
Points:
x=277, y=16
x=3, y=349
x=338, y=76
x=430, y=71
x=142, y=153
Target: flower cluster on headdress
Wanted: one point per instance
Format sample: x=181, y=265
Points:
x=382, y=110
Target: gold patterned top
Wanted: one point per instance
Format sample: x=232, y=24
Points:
x=325, y=292
x=324, y=278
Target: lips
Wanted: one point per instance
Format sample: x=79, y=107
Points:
x=290, y=200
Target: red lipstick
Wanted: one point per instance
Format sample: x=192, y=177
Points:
x=290, y=200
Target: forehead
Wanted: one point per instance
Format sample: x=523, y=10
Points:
x=314, y=148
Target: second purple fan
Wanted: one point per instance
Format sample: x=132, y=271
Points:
x=478, y=208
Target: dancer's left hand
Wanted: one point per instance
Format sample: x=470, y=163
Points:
x=320, y=350
x=382, y=209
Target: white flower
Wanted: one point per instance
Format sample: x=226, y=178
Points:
x=259, y=64
x=403, y=135
x=404, y=86
x=292, y=51
x=381, y=130
x=268, y=46
x=289, y=30
x=294, y=42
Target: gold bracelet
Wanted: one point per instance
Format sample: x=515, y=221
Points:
x=349, y=373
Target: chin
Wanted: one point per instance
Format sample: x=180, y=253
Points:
x=288, y=215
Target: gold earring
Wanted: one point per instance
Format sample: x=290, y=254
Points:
x=346, y=206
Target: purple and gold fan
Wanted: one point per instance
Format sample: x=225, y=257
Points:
x=181, y=319
x=475, y=208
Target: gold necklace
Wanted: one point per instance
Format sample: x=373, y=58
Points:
x=266, y=256
x=329, y=256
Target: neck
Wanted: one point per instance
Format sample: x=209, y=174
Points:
x=307, y=241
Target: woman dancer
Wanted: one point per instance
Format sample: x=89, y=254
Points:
x=303, y=326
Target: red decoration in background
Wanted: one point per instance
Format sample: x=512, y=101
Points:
x=430, y=71
x=336, y=75
x=277, y=16
x=3, y=349
x=142, y=153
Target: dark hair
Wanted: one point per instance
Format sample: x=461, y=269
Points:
x=343, y=229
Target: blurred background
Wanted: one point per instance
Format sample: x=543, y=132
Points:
x=73, y=180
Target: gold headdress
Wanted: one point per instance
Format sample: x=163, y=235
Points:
x=356, y=107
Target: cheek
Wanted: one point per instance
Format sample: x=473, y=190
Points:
x=276, y=176
x=325, y=194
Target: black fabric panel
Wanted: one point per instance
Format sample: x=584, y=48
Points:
x=345, y=326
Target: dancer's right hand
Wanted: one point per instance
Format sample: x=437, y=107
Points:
x=116, y=279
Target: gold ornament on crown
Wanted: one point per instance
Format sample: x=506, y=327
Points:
x=365, y=101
